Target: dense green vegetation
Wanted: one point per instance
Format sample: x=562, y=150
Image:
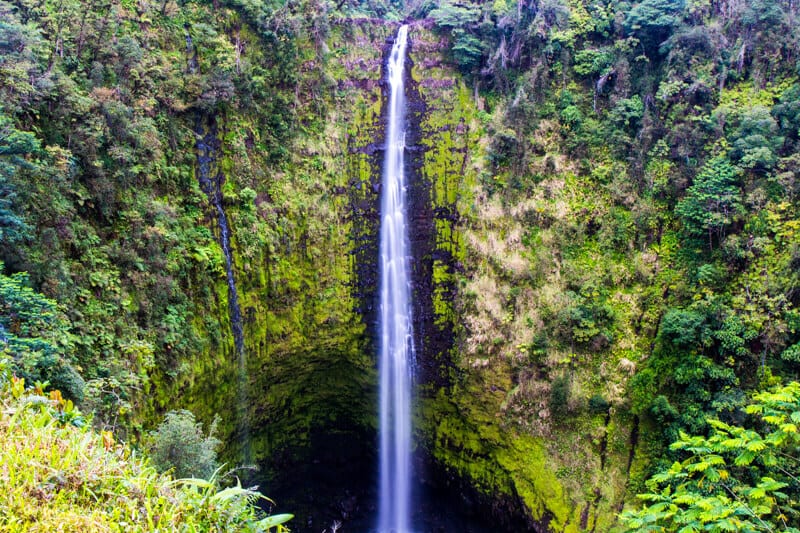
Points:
x=59, y=475
x=614, y=192
x=728, y=481
x=180, y=444
x=631, y=262
x=102, y=211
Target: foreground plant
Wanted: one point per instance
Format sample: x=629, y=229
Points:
x=736, y=479
x=57, y=474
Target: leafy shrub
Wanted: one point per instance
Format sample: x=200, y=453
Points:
x=67, y=477
x=15, y=145
x=652, y=21
x=663, y=412
x=683, y=328
x=589, y=321
x=571, y=116
x=756, y=140
x=467, y=48
x=453, y=15
x=179, y=444
x=792, y=353
x=590, y=62
x=627, y=114
x=35, y=333
x=713, y=201
x=504, y=149
x=787, y=112
x=598, y=405
x=559, y=396
x=736, y=479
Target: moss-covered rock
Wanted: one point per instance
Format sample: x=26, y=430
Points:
x=485, y=421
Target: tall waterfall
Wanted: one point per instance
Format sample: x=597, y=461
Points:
x=396, y=339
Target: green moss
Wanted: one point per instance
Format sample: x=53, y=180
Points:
x=479, y=428
x=526, y=462
x=307, y=359
x=467, y=440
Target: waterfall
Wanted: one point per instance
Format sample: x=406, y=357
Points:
x=396, y=361
x=207, y=147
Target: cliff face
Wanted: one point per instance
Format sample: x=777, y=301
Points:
x=287, y=121
x=309, y=303
x=604, y=232
x=307, y=291
x=476, y=435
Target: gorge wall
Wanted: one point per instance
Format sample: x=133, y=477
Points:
x=576, y=302
x=308, y=297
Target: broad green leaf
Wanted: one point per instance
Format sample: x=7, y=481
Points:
x=275, y=520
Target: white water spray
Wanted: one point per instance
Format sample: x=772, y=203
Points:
x=396, y=344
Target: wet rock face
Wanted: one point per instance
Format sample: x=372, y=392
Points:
x=365, y=218
x=432, y=338
x=422, y=234
x=500, y=512
x=435, y=161
x=211, y=179
x=462, y=455
x=365, y=149
x=433, y=332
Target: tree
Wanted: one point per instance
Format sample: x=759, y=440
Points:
x=652, y=21
x=180, y=444
x=713, y=201
x=756, y=140
x=14, y=146
x=23, y=78
x=787, y=112
x=736, y=479
x=453, y=15
x=467, y=50
x=461, y=20
x=591, y=62
x=35, y=332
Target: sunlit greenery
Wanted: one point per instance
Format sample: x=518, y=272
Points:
x=59, y=475
x=736, y=479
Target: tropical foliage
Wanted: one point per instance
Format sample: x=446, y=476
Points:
x=739, y=478
x=625, y=242
x=179, y=444
x=60, y=475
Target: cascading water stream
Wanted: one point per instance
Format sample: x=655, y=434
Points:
x=207, y=148
x=396, y=362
